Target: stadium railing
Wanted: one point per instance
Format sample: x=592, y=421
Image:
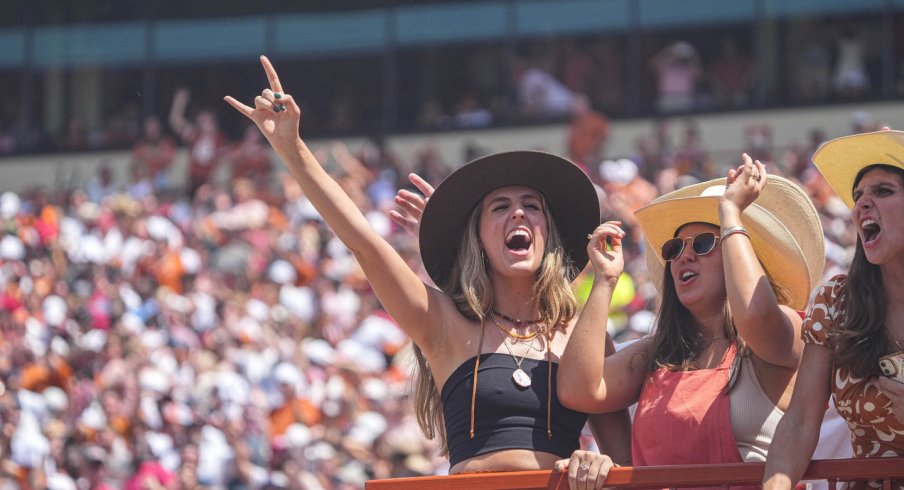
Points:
x=834, y=471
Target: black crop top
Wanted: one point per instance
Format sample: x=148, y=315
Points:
x=506, y=415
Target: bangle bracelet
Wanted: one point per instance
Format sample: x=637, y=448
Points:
x=731, y=230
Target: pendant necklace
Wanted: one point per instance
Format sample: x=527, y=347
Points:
x=519, y=376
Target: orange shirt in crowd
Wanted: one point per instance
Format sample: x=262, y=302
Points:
x=296, y=410
x=169, y=271
x=586, y=136
x=37, y=377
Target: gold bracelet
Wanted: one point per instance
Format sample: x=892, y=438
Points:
x=731, y=230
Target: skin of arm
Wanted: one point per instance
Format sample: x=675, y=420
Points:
x=177, y=120
x=798, y=432
x=612, y=431
x=414, y=306
x=772, y=331
x=583, y=383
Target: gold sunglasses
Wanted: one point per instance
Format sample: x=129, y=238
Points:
x=701, y=244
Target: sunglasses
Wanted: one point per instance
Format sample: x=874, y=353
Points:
x=701, y=244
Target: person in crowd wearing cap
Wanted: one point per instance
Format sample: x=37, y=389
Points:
x=502, y=237
x=854, y=319
x=736, y=259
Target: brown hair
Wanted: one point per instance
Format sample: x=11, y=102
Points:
x=675, y=346
x=863, y=338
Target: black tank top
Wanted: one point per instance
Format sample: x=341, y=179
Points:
x=506, y=415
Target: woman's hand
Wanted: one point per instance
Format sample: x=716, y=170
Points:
x=411, y=205
x=744, y=184
x=275, y=113
x=585, y=469
x=607, y=261
x=895, y=391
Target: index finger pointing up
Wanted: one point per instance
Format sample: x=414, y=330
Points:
x=271, y=75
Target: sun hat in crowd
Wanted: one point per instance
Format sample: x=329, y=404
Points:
x=841, y=159
x=569, y=194
x=783, y=225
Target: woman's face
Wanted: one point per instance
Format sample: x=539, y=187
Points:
x=699, y=279
x=878, y=215
x=513, y=230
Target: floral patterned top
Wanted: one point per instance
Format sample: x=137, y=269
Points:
x=875, y=431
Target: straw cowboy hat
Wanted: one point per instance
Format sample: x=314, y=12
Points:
x=569, y=194
x=782, y=223
x=841, y=159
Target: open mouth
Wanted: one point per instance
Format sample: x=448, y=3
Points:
x=687, y=276
x=870, y=230
x=518, y=241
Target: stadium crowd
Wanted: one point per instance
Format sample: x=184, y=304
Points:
x=825, y=61
x=224, y=338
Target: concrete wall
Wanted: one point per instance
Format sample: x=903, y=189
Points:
x=723, y=135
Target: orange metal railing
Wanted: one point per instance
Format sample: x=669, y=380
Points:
x=715, y=475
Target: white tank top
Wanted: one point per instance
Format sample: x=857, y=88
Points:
x=753, y=415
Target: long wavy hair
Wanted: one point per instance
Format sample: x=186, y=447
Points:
x=863, y=338
x=676, y=339
x=470, y=288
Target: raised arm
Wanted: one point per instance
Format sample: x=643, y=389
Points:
x=798, y=431
x=588, y=381
x=177, y=121
x=772, y=331
x=406, y=298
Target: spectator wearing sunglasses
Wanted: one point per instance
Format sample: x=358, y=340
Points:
x=734, y=260
x=854, y=333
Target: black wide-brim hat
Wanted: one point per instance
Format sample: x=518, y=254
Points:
x=569, y=194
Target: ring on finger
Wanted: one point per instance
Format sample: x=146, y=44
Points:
x=583, y=470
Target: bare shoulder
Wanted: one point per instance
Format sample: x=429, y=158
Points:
x=454, y=337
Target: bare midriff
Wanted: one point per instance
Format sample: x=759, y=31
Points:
x=506, y=460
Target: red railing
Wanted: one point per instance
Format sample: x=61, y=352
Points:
x=715, y=475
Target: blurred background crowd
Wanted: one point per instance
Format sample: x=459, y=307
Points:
x=187, y=320
x=389, y=72
x=215, y=336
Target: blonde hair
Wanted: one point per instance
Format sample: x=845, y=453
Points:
x=470, y=288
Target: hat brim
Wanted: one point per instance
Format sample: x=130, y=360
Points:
x=783, y=225
x=841, y=159
x=569, y=194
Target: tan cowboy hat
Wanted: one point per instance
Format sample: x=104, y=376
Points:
x=783, y=225
x=841, y=159
x=568, y=192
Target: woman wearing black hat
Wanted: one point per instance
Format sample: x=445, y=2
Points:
x=496, y=238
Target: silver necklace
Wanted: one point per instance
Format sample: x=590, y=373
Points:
x=519, y=376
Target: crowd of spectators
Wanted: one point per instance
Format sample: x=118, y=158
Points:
x=222, y=337
x=536, y=81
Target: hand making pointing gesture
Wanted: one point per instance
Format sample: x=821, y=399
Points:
x=275, y=112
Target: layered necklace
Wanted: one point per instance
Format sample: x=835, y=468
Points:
x=520, y=377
